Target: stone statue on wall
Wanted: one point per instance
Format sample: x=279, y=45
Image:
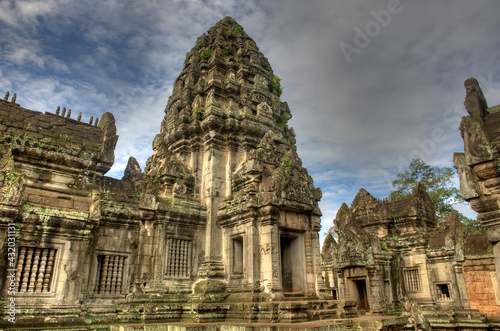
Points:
x=475, y=103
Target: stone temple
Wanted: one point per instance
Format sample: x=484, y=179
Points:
x=222, y=225
x=394, y=254
x=221, y=229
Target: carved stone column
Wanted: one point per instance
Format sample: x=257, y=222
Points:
x=213, y=178
x=270, y=259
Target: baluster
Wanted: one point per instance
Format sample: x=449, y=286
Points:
x=34, y=270
x=102, y=287
x=181, y=258
x=41, y=270
x=169, y=261
x=184, y=255
x=27, y=269
x=109, y=275
x=19, y=267
x=114, y=274
x=48, y=271
x=98, y=276
x=177, y=252
x=172, y=261
x=119, y=278
x=187, y=258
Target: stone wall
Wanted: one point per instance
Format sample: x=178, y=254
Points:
x=480, y=279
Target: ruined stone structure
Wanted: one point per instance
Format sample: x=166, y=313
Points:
x=478, y=169
x=391, y=250
x=393, y=256
x=221, y=226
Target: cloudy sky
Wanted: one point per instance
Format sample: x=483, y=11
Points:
x=371, y=84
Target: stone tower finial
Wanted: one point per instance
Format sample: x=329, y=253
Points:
x=96, y=121
x=63, y=112
x=232, y=57
x=79, y=117
x=132, y=171
x=58, y=110
x=475, y=102
x=6, y=97
x=14, y=98
x=69, y=114
x=91, y=120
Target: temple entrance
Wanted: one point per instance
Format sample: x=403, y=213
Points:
x=286, y=265
x=359, y=293
x=292, y=264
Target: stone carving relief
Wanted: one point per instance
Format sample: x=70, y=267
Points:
x=265, y=249
x=475, y=142
x=468, y=183
x=264, y=110
x=180, y=189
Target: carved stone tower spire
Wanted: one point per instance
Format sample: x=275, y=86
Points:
x=226, y=128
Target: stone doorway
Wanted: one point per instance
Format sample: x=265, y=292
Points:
x=292, y=264
x=359, y=293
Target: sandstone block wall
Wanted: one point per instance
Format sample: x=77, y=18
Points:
x=480, y=279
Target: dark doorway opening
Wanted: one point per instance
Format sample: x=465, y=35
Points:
x=286, y=264
x=362, y=294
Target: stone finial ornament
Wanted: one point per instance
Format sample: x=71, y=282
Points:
x=133, y=170
x=79, y=117
x=96, y=121
x=474, y=103
x=69, y=113
x=14, y=97
x=6, y=97
x=63, y=112
x=58, y=110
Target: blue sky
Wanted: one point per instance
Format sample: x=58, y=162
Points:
x=363, y=103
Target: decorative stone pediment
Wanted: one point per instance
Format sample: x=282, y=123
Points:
x=164, y=169
x=356, y=246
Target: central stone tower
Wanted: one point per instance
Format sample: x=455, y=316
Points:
x=225, y=144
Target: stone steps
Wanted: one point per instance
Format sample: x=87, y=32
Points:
x=452, y=319
x=323, y=314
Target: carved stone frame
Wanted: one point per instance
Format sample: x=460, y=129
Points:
x=125, y=278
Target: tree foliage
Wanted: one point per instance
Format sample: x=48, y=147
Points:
x=439, y=185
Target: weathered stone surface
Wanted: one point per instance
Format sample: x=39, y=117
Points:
x=222, y=224
x=389, y=250
x=480, y=180
x=440, y=274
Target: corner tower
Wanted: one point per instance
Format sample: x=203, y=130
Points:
x=225, y=131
